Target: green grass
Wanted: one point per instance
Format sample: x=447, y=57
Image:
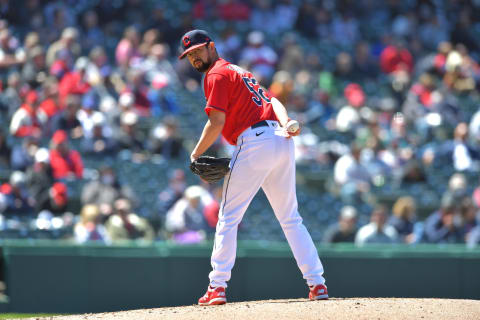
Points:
x=25, y=315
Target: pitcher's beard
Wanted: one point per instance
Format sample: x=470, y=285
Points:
x=204, y=66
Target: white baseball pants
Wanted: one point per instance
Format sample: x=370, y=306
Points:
x=263, y=158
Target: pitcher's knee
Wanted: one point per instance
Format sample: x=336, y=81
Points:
x=291, y=222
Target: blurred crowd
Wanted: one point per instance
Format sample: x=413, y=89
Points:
x=387, y=92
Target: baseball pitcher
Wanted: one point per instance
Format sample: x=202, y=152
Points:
x=259, y=127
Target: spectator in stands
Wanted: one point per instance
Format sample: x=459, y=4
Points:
x=412, y=172
x=396, y=57
x=150, y=38
x=474, y=238
x=12, y=54
x=67, y=119
x=457, y=186
x=346, y=228
x=90, y=228
x=344, y=72
x=307, y=19
x=228, y=44
x=363, y=61
x=457, y=152
x=445, y=224
x=10, y=97
x=173, y=192
x=34, y=71
x=23, y=154
x=74, y=82
x=233, y=10
x=99, y=142
x=204, y=9
x=348, y=117
x=5, y=151
x=160, y=97
x=288, y=11
x=99, y=71
x=127, y=48
x=29, y=120
x=461, y=71
x=39, y=176
x=157, y=63
x=55, y=201
x=66, y=163
x=282, y=86
x=403, y=219
x=345, y=29
x=19, y=203
x=474, y=129
x=166, y=141
x=50, y=105
x=260, y=58
x=185, y=219
x=262, y=17
x=464, y=156
x=103, y=191
x=351, y=175
x=377, y=231
x=93, y=34
x=126, y=225
x=434, y=31
x=113, y=110
x=66, y=44
x=137, y=86
x=129, y=137
x=87, y=111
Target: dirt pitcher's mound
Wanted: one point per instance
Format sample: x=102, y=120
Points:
x=335, y=308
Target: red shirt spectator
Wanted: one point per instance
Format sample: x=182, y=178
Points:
x=210, y=212
x=49, y=107
x=28, y=120
x=233, y=10
x=139, y=91
x=74, y=82
x=394, y=58
x=64, y=162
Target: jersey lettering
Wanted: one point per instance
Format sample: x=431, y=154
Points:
x=259, y=94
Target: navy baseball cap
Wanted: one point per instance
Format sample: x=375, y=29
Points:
x=192, y=40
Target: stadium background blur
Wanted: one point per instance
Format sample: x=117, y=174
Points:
x=98, y=117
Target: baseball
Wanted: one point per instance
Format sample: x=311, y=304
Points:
x=292, y=126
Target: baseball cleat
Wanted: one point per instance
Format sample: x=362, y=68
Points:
x=318, y=292
x=213, y=296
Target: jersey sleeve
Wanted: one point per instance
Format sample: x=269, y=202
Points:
x=217, y=93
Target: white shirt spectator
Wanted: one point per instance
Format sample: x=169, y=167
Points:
x=90, y=120
x=22, y=118
x=461, y=158
x=259, y=56
x=347, y=169
x=347, y=118
x=371, y=234
x=187, y=213
x=474, y=128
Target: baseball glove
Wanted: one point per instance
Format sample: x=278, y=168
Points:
x=210, y=169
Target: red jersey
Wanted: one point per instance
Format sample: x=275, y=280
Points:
x=233, y=90
x=62, y=166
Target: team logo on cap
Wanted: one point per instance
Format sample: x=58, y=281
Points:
x=186, y=41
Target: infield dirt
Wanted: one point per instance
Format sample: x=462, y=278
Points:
x=335, y=308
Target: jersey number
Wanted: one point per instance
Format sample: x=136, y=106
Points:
x=258, y=95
